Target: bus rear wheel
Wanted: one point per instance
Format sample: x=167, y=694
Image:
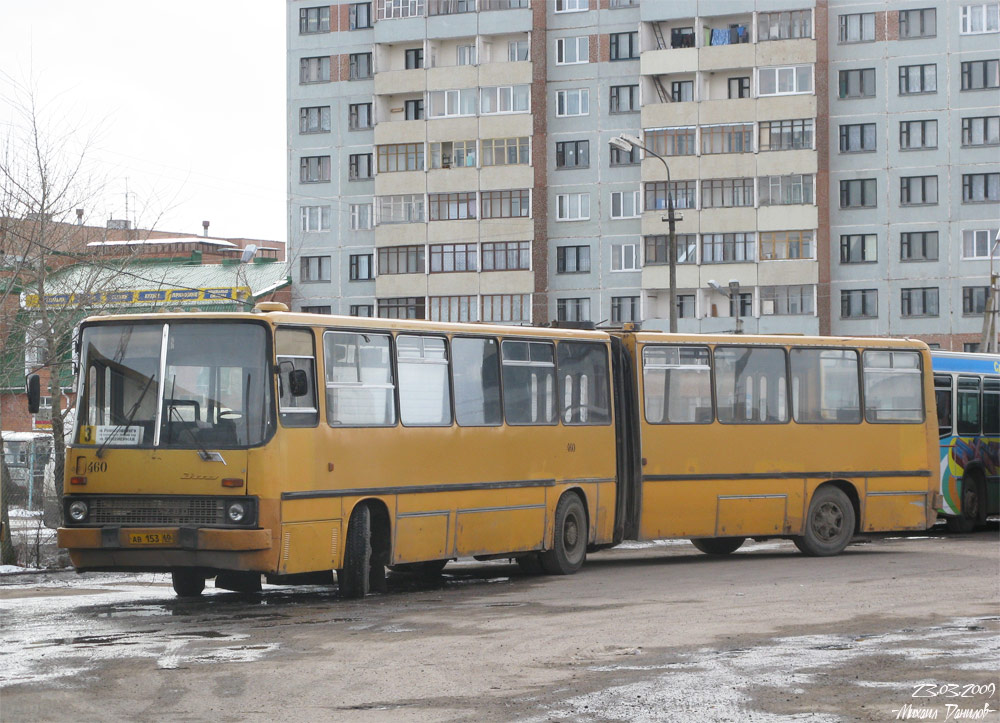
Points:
x=829, y=524
x=718, y=545
x=569, y=548
x=972, y=499
x=187, y=583
x=353, y=577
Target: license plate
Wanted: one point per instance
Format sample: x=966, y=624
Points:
x=152, y=538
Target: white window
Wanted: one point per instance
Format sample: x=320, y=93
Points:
x=389, y=9
x=573, y=50
x=976, y=243
x=785, y=80
x=517, y=50
x=406, y=208
x=571, y=6
x=572, y=102
x=506, y=99
x=625, y=204
x=361, y=216
x=315, y=218
x=624, y=257
x=980, y=18
x=572, y=206
x=466, y=55
x=445, y=103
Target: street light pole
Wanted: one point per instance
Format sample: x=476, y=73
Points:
x=988, y=343
x=625, y=142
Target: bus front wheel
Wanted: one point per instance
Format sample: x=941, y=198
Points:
x=718, y=545
x=353, y=577
x=569, y=547
x=829, y=524
x=187, y=583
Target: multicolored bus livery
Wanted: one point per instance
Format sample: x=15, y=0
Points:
x=967, y=390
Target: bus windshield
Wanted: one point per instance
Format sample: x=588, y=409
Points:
x=177, y=385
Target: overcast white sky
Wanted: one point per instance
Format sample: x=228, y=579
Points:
x=188, y=99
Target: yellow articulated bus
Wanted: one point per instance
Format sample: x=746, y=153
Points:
x=291, y=445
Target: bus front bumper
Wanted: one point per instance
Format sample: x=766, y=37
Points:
x=163, y=538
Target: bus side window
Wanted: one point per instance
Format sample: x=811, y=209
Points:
x=740, y=399
x=825, y=386
x=359, y=384
x=991, y=407
x=583, y=383
x=294, y=351
x=424, y=392
x=476, y=377
x=968, y=406
x=942, y=396
x=677, y=385
x=529, y=381
x=893, y=391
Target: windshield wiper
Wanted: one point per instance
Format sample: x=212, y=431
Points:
x=128, y=418
x=202, y=452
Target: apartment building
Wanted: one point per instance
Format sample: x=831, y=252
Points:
x=450, y=159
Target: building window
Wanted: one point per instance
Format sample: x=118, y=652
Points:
x=573, y=260
x=918, y=246
x=404, y=307
x=918, y=190
x=624, y=46
x=786, y=80
x=452, y=7
x=466, y=55
x=315, y=119
x=413, y=59
x=857, y=138
x=976, y=243
x=787, y=300
x=717, y=248
x=359, y=167
x=571, y=6
x=980, y=18
x=658, y=249
x=314, y=70
x=314, y=218
x=360, y=66
x=727, y=193
x=860, y=193
x=980, y=74
x=785, y=190
x=451, y=206
x=366, y=310
x=506, y=99
x=413, y=109
x=624, y=99
x=624, y=158
x=685, y=306
x=859, y=304
x=917, y=135
x=980, y=187
x=314, y=169
x=573, y=309
x=453, y=154
x=572, y=102
x=682, y=37
x=917, y=23
x=625, y=204
x=314, y=20
x=447, y=103
x=919, y=302
x=513, y=308
x=314, y=269
x=859, y=248
x=454, y=308
x=971, y=347
x=786, y=135
x=361, y=216
x=400, y=157
x=779, y=245
x=391, y=9
x=573, y=154
x=981, y=131
x=506, y=151
x=359, y=116
x=453, y=257
x=624, y=257
x=317, y=310
x=361, y=267
x=917, y=79
x=573, y=50
x=859, y=83
x=728, y=138
x=360, y=16
x=506, y=204
x=739, y=87
x=624, y=309
x=572, y=206
x=784, y=25
x=672, y=141
x=683, y=193
x=517, y=50
x=682, y=91
x=405, y=208
x=401, y=260
x=856, y=28
x=974, y=300
x=506, y=255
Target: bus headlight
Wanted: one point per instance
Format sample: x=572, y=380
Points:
x=78, y=511
x=236, y=512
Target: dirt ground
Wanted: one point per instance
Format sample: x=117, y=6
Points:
x=895, y=628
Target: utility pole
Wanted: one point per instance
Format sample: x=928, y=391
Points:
x=988, y=343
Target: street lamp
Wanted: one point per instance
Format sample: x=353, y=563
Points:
x=626, y=142
x=989, y=341
x=733, y=294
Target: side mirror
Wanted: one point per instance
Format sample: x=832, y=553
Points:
x=34, y=388
x=298, y=382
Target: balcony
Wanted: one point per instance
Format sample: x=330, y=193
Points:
x=400, y=81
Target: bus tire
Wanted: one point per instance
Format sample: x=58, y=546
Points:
x=431, y=568
x=187, y=583
x=569, y=544
x=718, y=545
x=530, y=564
x=353, y=578
x=829, y=524
x=972, y=500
